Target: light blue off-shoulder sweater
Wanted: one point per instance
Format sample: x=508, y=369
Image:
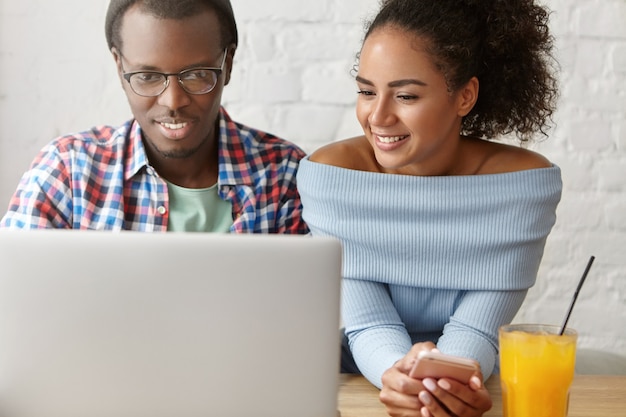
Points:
x=445, y=259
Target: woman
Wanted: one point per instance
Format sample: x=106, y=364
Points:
x=443, y=229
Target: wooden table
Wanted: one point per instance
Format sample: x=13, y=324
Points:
x=590, y=396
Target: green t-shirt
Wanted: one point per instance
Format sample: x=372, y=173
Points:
x=198, y=210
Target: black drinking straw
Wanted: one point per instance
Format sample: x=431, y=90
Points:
x=580, y=284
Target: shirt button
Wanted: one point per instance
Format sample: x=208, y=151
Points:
x=162, y=210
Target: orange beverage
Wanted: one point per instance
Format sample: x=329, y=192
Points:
x=536, y=369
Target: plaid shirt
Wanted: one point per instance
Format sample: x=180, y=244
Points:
x=101, y=179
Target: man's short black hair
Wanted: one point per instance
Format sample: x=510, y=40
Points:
x=171, y=9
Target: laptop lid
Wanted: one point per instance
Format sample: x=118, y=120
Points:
x=101, y=324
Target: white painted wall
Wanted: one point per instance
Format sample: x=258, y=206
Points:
x=292, y=79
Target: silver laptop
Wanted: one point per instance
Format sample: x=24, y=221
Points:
x=104, y=324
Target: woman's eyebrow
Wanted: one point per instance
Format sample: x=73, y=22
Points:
x=397, y=83
x=409, y=81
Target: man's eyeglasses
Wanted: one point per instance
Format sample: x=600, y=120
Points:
x=199, y=80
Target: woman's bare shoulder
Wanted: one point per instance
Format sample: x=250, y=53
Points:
x=501, y=158
x=353, y=153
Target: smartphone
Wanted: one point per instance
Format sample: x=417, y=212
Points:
x=438, y=365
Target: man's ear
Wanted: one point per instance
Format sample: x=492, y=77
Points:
x=117, y=57
x=467, y=96
x=228, y=65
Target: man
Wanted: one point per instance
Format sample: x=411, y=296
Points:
x=181, y=164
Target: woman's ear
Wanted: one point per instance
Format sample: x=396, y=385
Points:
x=467, y=96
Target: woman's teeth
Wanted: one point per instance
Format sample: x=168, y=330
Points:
x=390, y=139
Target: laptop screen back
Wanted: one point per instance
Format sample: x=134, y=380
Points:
x=103, y=324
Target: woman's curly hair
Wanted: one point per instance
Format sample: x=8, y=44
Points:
x=506, y=44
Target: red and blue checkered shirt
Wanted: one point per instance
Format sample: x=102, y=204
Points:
x=101, y=179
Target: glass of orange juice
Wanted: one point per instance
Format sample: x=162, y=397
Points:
x=536, y=369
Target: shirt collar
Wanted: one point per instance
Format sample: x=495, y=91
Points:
x=135, y=153
x=235, y=163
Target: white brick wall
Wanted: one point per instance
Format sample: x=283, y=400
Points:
x=292, y=78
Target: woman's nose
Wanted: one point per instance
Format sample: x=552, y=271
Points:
x=382, y=113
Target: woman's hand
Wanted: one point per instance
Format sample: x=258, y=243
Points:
x=404, y=396
x=400, y=392
x=447, y=397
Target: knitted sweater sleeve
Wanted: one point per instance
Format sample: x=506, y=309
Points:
x=472, y=329
x=377, y=337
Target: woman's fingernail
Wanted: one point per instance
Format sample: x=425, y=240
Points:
x=429, y=384
x=476, y=381
x=444, y=384
x=425, y=398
